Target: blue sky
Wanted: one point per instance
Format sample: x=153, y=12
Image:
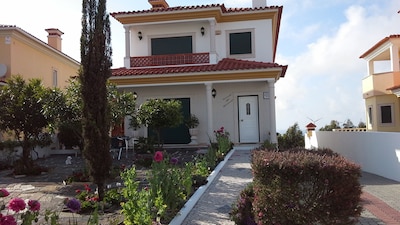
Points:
x=321, y=41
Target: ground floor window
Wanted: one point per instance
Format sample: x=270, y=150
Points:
x=386, y=112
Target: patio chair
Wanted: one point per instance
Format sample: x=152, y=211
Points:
x=117, y=145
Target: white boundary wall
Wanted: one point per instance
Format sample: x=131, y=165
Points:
x=376, y=152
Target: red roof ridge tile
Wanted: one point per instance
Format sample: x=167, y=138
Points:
x=180, y=8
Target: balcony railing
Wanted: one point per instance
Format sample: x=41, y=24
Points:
x=378, y=84
x=173, y=59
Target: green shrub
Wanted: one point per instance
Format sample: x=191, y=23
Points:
x=242, y=211
x=305, y=187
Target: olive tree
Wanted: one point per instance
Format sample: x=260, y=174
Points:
x=293, y=138
x=27, y=108
x=121, y=104
x=160, y=113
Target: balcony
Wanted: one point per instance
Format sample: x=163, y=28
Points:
x=168, y=60
x=378, y=84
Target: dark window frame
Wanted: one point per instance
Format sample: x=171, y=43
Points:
x=185, y=43
x=248, y=51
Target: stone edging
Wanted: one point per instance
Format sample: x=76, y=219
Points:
x=182, y=214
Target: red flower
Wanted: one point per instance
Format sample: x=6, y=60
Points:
x=34, y=205
x=17, y=204
x=77, y=191
x=4, y=193
x=7, y=220
x=158, y=156
x=87, y=188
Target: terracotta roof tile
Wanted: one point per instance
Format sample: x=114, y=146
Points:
x=226, y=64
x=182, y=8
x=379, y=44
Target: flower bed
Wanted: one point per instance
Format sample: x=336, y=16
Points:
x=157, y=199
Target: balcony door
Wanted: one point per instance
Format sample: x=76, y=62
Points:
x=171, y=45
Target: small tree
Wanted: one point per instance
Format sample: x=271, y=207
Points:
x=159, y=113
x=26, y=109
x=333, y=125
x=121, y=104
x=292, y=138
x=362, y=125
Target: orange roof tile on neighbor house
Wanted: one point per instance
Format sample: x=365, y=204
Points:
x=226, y=64
x=311, y=125
x=379, y=44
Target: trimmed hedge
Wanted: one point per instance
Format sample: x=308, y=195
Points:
x=300, y=186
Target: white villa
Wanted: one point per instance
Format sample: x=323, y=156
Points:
x=219, y=62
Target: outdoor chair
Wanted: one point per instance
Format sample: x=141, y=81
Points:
x=118, y=144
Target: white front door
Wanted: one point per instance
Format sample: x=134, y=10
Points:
x=248, y=119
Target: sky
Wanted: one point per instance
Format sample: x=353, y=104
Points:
x=320, y=41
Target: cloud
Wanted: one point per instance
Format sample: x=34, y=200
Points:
x=325, y=79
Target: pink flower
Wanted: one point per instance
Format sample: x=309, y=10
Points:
x=4, y=193
x=34, y=205
x=7, y=220
x=158, y=156
x=17, y=204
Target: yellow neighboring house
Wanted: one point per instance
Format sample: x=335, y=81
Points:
x=381, y=90
x=23, y=54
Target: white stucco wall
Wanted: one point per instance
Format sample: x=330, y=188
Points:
x=376, y=152
x=262, y=36
x=225, y=111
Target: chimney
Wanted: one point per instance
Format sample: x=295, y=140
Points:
x=159, y=4
x=259, y=3
x=54, y=38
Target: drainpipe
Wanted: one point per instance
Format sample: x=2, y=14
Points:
x=271, y=87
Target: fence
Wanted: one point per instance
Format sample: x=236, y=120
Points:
x=376, y=152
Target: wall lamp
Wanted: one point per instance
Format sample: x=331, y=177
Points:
x=202, y=30
x=214, y=92
x=140, y=36
x=134, y=95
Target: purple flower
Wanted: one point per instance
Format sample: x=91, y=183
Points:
x=174, y=161
x=34, y=205
x=73, y=205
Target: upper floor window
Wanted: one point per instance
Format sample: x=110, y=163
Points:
x=370, y=115
x=241, y=44
x=171, y=45
x=386, y=114
x=55, y=78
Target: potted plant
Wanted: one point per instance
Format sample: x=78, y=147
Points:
x=134, y=123
x=192, y=122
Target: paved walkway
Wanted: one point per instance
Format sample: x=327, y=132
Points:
x=381, y=197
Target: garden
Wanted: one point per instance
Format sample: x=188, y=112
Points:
x=154, y=196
